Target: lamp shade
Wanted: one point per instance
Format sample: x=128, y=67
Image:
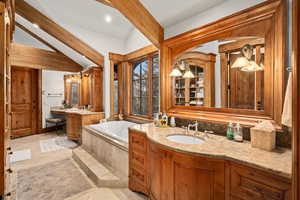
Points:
x=188, y=74
x=240, y=62
x=175, y=72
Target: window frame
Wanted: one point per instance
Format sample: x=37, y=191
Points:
x=132, y=64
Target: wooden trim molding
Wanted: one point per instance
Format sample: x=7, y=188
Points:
x=27, y=56
x=266, y=20
x=125, y=62
x=106, y=2
x=140, y=53
x=141, y=18
x=296, y=99
x=56, y=31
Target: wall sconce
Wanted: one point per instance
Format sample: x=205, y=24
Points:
x=245, y=62
x=182, y=70
x=188, y=73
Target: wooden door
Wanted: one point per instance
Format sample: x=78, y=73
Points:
x=242, y=87
x=24, y=101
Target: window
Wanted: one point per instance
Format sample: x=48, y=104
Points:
x=145, y=86
x=139, y=88
x=155, y=84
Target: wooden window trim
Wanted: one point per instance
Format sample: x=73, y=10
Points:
x=149, y=58
x=126, y=90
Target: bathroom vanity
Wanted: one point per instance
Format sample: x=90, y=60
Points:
x=215, y=168
x=77, y=119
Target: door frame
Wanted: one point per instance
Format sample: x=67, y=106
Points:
x=296, y=99
x=39, y=121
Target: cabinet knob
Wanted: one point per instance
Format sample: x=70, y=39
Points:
x=8, y=149
x=8, y=194
x=11, y=153
x=10, y=171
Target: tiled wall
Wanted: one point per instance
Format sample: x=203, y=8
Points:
x=283, y=139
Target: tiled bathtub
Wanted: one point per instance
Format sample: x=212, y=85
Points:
x=108, y=143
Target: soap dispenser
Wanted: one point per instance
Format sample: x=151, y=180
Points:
x=230, y=131
x=238, y=133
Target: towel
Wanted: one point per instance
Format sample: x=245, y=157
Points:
x=287, y=107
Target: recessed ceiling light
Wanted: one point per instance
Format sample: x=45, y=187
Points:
x=108, y=19
x=36, y=26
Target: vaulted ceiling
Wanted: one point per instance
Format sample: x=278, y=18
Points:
x=170, y=12
x=92, y=17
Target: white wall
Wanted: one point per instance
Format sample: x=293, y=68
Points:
x=53, y=83
x=222, y=10
x=136, y=40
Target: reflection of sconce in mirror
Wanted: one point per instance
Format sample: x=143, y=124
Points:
x=188, y=73
x=245, y=62
x=178, y=68
x=69, y=80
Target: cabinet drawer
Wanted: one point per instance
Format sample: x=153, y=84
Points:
x=252, y=184
x=138, y=176
x=138, y=159
x=138, y=141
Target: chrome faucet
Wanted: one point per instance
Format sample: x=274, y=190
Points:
x=193, y=125
x=206, y=133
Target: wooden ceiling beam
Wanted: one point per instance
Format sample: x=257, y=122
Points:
x=26, y=56
x=141, y=18
x=53, y=29
x=36, y=37
x=106, y=2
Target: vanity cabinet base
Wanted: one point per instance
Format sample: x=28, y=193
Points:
x=164, y=174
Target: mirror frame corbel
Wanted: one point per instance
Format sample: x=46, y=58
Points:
x=270, y=14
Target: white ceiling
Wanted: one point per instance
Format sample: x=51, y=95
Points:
x=86, y=14
x=170, y=12
x=24, y=38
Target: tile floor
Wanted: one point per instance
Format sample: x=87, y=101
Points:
x=39, y=158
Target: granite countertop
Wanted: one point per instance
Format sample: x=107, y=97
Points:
x=279, y=161
x=74, y=111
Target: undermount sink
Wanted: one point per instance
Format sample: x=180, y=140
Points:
x=185, y=139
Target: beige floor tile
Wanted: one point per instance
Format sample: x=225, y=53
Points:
x=39, y=158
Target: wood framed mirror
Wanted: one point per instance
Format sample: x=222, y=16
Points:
x=241, y=75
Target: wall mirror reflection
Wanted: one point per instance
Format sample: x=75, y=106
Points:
x=74, y=93
x=225, y=73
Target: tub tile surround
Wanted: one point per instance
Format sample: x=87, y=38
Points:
x=278, y=162
x=112, y=153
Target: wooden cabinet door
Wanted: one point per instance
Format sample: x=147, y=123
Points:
x=242, y=87
x=196, y=178
x=24, y=101
x=178, y=176
x=252, y=184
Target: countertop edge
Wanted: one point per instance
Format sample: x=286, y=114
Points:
x=217, y=156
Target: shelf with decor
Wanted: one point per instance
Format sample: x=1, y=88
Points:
x=193, y=78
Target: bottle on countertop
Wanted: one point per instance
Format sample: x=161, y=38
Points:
x=156, y=120
x=164, y=120
x=230, y=131
x=238, y=133
x=172, y=122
